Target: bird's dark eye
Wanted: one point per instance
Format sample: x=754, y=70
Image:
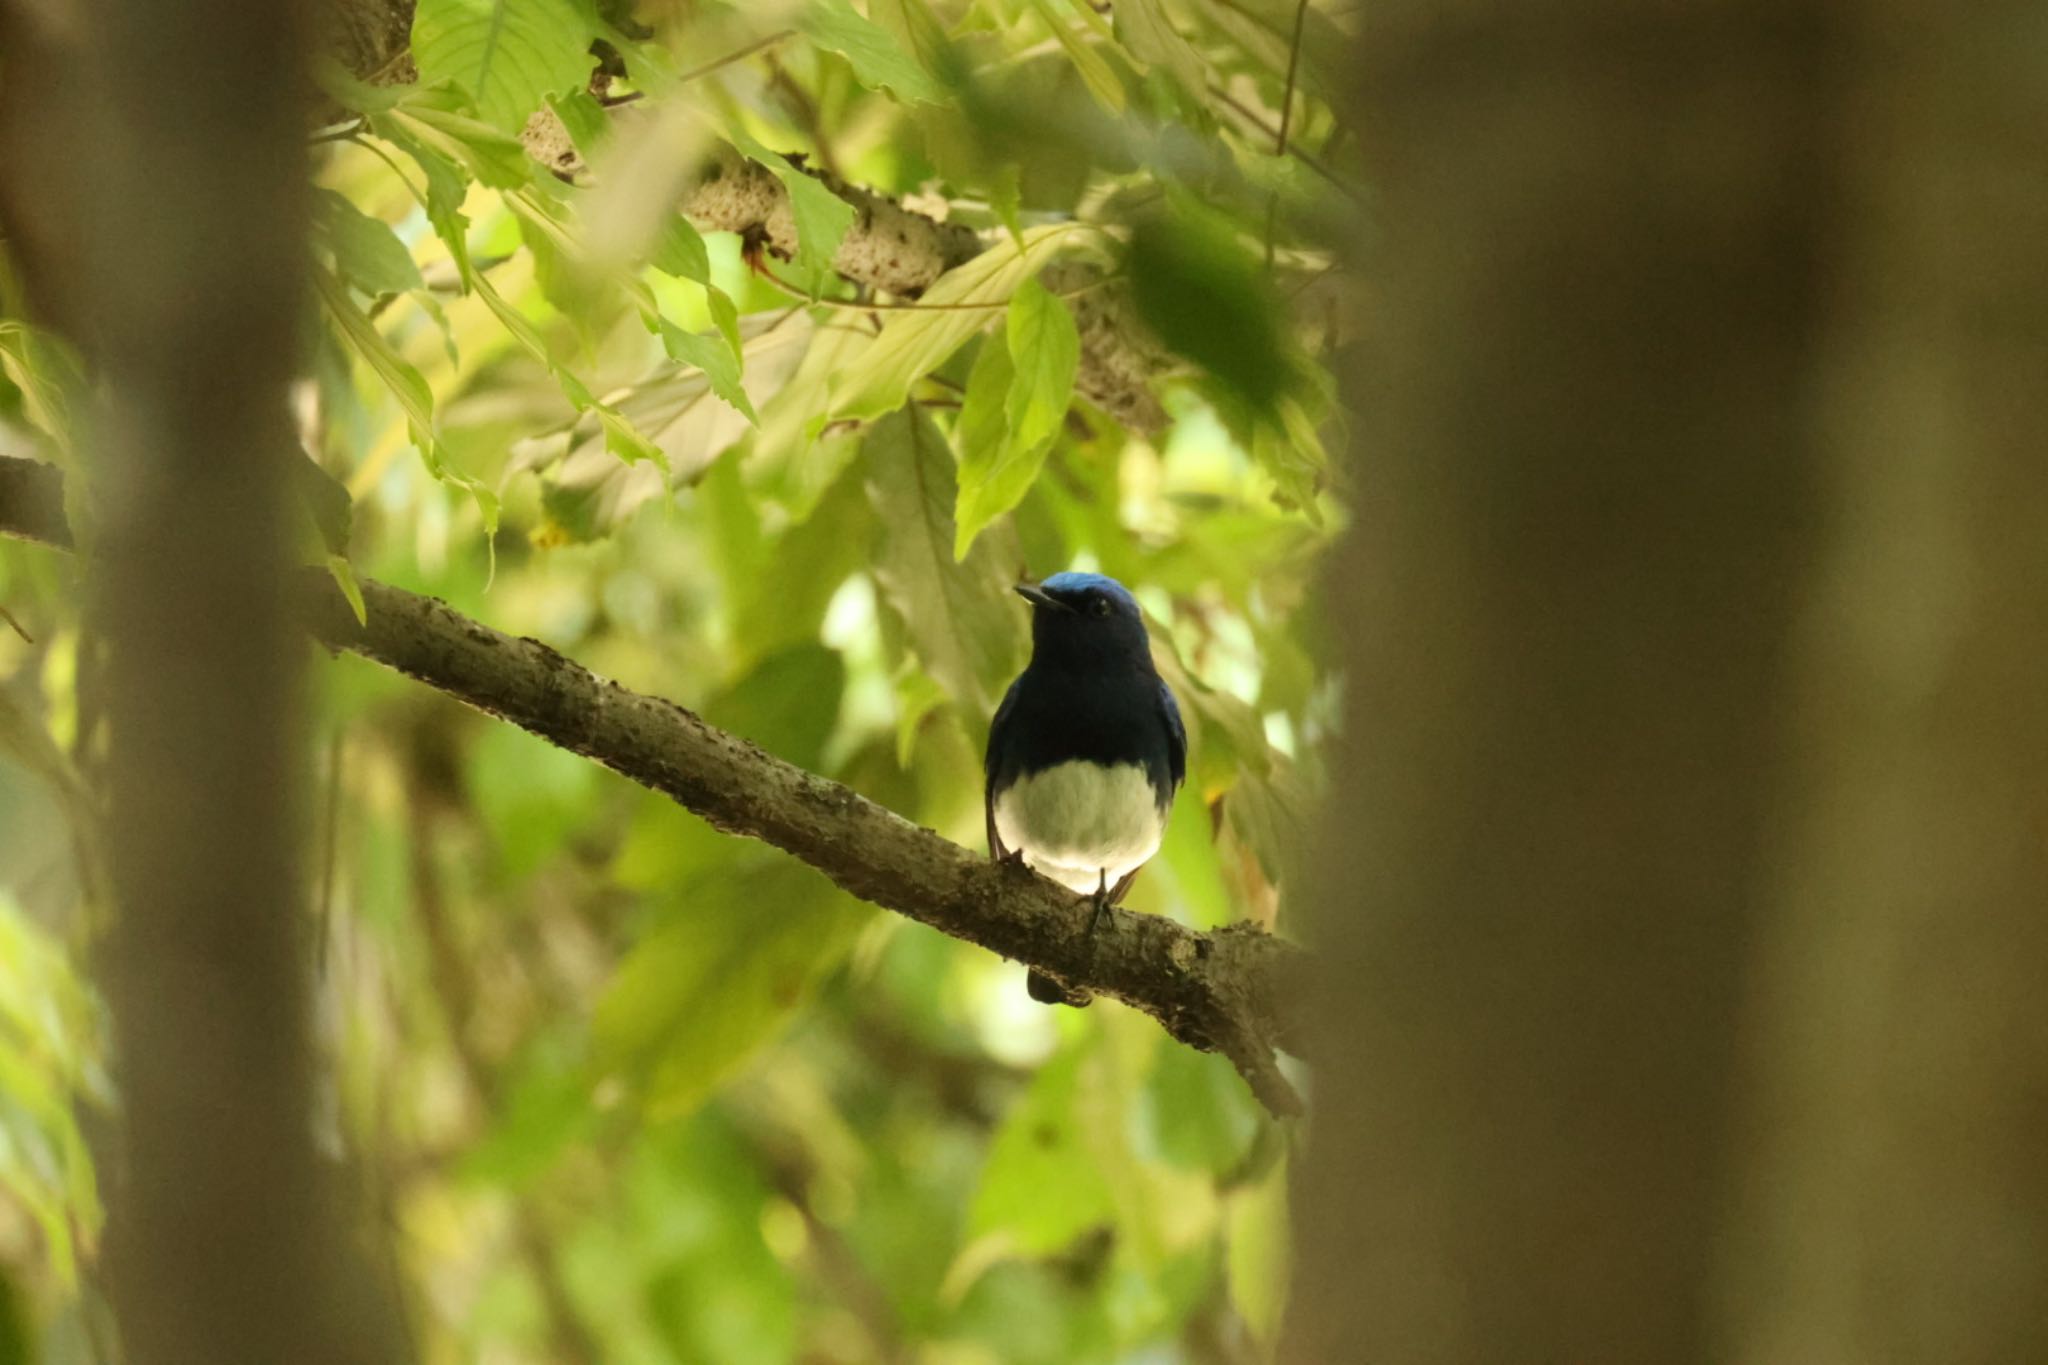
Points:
x=1100, y=606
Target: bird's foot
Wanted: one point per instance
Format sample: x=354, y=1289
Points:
x=1100, y=903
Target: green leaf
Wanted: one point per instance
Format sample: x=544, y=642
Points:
x=962, y=620
x=366, y=251
x=917, y=31
x=720, y=977
x=788, y=703
x=1258, y=1253
x=914, y=342
x=1045, y=354
x=506, y=55
x=716, y=357
x=1042, y=1187
x=497, y=159
x=624, y=440
x=996, y=471
x=822, y=218
x=406, y=386
x=918, y=694
x=48, y=374
x=680, y=252
x=1194, y=1112
x=1206, y=297
x=344, y=576
x=878, y=63
x=1095, y=70
x=585, y=119
x=1150, y=34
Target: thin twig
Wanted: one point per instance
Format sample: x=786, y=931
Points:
x=8, y=617
x=741, y=55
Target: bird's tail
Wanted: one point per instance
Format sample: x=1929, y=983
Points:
x=1047, y=991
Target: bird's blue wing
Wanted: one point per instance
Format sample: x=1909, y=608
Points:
x=1176, y=736
x=991, y=765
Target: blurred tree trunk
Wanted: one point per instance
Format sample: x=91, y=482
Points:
x=172, y=162
x=1687, y=899
x=1896, y=1138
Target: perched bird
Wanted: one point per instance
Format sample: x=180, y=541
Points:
x=1087, y=749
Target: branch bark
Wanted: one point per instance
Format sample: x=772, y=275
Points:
x=1233, y=991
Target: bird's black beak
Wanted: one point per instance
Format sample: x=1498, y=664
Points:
x=1039, y=597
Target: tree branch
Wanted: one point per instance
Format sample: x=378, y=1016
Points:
x=1236, y=990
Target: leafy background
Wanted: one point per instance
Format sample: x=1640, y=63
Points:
x=615, y=1087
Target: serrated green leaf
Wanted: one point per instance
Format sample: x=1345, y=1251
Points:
x=822, y=218
x=716, y=357
x=995, y=471
x=506, y=55
x=680, y=252
x=878, y=63
x=914, y=342
x=366, y=251
x=344, y=576
x=624, y=440
x=961, y=617
x=1045, y=354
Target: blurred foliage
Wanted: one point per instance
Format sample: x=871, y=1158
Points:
x=615, y=1086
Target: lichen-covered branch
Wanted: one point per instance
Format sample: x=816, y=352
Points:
x=1236, y=990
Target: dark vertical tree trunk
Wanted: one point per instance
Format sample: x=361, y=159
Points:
x=181, y=135
x=1586, y=525
x=1897, y=1200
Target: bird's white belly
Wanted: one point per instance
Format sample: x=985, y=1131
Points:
x=1078, y=822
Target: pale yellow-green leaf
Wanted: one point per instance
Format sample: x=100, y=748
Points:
x=913, y=342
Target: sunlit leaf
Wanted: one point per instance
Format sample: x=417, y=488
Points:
x=507, y=55
x=344, y=577
x=822, y=217
x=366, y=251
x=914, y=342
x=964, y=623
x=1045, y=351
x=878, y=63
x=995, y=472
x=1095, y=70
x=497, y=159
x=715, y=357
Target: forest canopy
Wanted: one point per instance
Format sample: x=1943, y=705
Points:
x=747, y=356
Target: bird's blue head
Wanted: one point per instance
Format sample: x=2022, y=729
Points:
x=1085, y=620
